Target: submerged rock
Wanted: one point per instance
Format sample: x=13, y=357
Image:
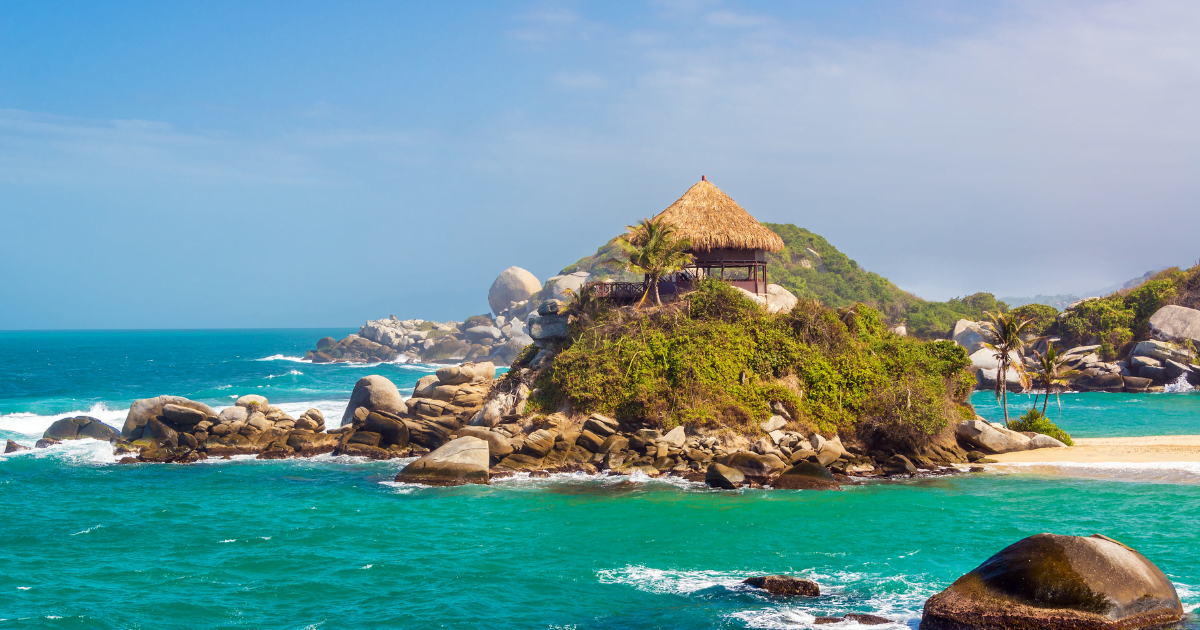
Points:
x=460, y=461
x=785, y=585
x=1050, y=581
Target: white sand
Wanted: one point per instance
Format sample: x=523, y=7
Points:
x=1155, y=448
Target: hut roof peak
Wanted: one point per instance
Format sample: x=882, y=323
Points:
x=710, y=219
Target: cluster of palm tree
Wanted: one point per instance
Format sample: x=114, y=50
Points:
x=1006, y=340
x=652, y=247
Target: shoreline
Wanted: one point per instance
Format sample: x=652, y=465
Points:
x=1117, y=450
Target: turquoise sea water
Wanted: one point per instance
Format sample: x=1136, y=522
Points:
x=334, y=543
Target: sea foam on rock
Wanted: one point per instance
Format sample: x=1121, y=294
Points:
x=1057, y=582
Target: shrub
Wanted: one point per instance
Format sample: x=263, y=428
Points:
x=716, y=359
x=477, y=320
x=1034, y=420
x=1043, y=316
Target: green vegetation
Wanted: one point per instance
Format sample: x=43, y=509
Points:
x=715, y=359
x=1116, y=320
x=652, y=249
x=476, y=320
x=935, y=320
x=1036, y=421
x=1041, y=317
x=1006, y=341
x=1050, y=370
x=597, y=264
x=811, y=268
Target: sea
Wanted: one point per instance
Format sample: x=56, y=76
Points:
x=334, y=542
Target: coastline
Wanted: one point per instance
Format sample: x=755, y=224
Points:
x=1114, y=450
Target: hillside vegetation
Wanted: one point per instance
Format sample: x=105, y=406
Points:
x=810, y=267
x=715, y=359
x=1118, y=320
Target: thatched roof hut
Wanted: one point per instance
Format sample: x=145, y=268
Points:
x=712, y=220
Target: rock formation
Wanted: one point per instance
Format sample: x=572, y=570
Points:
x=1050, y=581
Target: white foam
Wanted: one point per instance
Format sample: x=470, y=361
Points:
x=1180, y=386
x=34, y=424
x=671, y=582
x=280, y=357
x=88, y=530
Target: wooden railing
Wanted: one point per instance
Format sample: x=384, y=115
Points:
x=618, y=290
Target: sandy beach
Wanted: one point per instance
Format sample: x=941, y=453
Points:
x=1155, y=448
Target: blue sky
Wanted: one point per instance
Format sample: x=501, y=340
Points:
x=318, y=164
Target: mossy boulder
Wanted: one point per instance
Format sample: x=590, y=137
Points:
x=1056, y=582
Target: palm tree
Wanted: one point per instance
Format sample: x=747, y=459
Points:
x=1050, y=369
x=1005, y=333
x=654, y=249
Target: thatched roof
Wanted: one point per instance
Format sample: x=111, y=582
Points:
x=710, y=219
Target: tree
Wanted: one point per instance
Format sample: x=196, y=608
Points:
x=1050, y=369
x=653, y=248
x=1005, y=334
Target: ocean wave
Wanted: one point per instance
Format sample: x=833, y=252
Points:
x=670, y=581
x=282, y=357
x=287, y=373
x=1187, y=473
x=35, y=424
x=898, y=598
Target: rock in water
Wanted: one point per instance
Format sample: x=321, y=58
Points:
x=1050, y=581
x=142, y=411
x=458, y=462
x=719, y=476
x=13, y=447
x=376, y=393
x=80, y=427
x=805, y=476
x=785, y=585
x=512, y=285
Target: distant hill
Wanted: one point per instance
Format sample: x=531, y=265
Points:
x=810, y=267
x=1062, y=301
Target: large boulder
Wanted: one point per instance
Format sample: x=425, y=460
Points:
x=991, y=439
x=756, y=468
x=970, y=335
x=985, y=359
x=805, y=476
x=562, y=287
x=780, y=300
x=458, y=462
x=512, y=285
x=724, y=477
x=376, y=393
x=146, y=409
x=391, y=429
x=1176, y=323
x=1159, y=350
x=81, y=427
x=985, y=380
x=1050, y=581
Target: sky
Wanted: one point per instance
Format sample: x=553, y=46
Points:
x=293, y=164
